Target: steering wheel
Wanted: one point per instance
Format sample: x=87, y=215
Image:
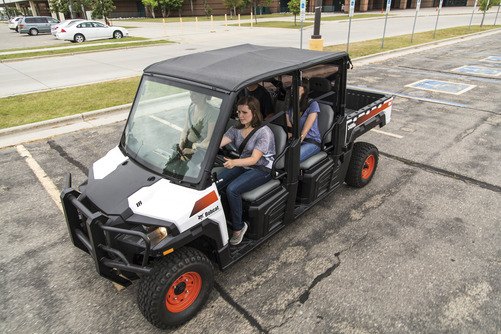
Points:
x=228, y=151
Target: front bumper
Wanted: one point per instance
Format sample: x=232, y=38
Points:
x=90, y=232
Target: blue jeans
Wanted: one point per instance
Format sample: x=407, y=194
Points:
x=237, y=181
x=308, y=150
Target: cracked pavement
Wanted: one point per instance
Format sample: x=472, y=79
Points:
x=416, y=251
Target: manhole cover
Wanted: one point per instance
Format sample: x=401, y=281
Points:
x=441, y=86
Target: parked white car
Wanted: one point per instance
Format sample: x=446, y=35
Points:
x=89, y=30
x=13, y=23
x=57, y=28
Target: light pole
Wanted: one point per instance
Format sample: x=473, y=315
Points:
x=316, y=41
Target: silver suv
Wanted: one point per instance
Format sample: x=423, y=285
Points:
x=36, y=24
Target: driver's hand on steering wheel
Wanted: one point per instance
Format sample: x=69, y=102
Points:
x=230, y=163
x=188, y=151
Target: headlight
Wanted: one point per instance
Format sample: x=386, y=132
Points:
x=156, y=234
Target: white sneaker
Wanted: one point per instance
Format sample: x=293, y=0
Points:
x=235, y=240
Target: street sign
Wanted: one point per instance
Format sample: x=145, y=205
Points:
x=302, y=10
x=388, y=6
x=418, y=5
x=352, y=7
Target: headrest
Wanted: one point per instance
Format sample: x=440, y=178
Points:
x=319, y=84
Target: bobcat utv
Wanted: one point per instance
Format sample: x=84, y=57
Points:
x=150, y=212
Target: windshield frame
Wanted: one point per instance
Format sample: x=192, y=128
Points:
x=202, y=180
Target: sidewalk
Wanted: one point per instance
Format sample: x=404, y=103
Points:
x=36, y=131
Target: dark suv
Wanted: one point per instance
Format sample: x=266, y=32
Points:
x=36, y=24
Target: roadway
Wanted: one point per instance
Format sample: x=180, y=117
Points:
x=33, y=75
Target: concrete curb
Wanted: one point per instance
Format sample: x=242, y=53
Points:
x=84, y=117
x=83, y=52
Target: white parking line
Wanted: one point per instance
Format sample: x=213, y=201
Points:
x=387, y=134
x=174, y=126
x=46, y=182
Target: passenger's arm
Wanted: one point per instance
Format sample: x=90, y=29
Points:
x=184, y=133
x=244, y=162
x=289, y=125
x=308, y=124
x=205, y=143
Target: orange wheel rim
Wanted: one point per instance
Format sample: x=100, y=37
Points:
x=368, y=168
x=183, y=292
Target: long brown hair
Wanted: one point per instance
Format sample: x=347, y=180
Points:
x=303, y=102
x=253, y=105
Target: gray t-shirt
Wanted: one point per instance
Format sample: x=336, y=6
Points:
x=262, y=140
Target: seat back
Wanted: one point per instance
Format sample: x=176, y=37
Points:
x=321, y=90
x=280, y=142
x=325, y=122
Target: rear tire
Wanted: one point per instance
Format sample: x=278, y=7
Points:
x=117, y=34
x=33, y=32
x=363, y=164
x=79, y=38
x=176, y=289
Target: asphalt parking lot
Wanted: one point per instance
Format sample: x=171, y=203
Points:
x=417, y=250
x=10, y=39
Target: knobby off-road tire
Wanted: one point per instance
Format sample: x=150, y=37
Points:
x=363, y=164
x=176, y=289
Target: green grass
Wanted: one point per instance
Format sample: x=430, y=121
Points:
x=346, y=17
x=29, y=108
x=360, y=49
x=201, y=18
x=92, y=47
x=276, y=24
x=113, y=40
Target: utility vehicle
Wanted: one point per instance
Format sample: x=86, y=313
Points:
x=149, y=212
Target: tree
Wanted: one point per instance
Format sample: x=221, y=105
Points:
x=233, y=4
x=58, y=6
x=207, y=9
x=152, y=4
x=485, y=5
x=102, y=9
x=191, y=6
x=168, y=5
x=254, y=4
x=294, y=7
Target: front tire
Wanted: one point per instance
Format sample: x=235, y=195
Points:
x=79, y=38
x=33, y=32
x=117, y=34
x=363, y=164
x=176, y=289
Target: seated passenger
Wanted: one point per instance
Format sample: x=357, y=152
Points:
x=198, y=127
x=262, y=95
x=253, y=167
x=308, y=123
